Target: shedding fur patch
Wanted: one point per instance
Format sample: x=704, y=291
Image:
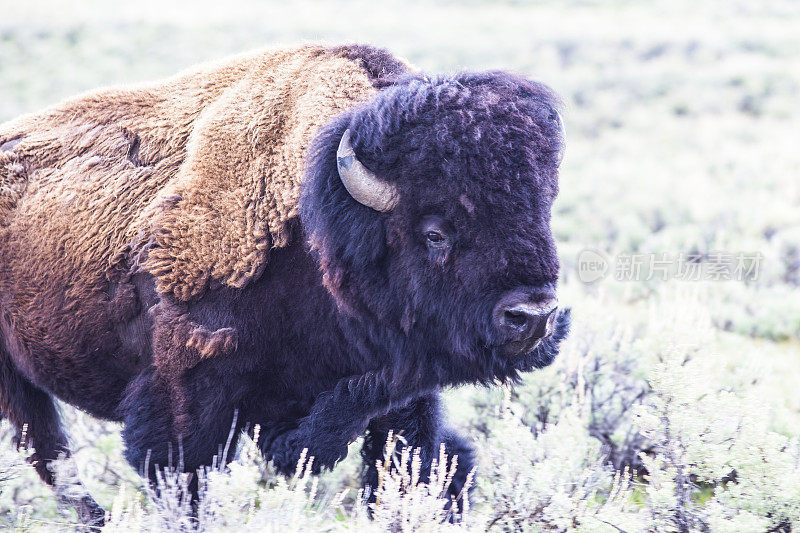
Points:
x=208, y=343
x=194, y=178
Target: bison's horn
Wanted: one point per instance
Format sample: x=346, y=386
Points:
x=363, y=185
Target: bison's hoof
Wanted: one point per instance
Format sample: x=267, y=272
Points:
x=89, y=512
x=92, y=515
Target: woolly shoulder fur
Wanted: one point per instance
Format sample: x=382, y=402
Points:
x=195, y=177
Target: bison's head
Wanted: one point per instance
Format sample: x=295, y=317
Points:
x=429, y=209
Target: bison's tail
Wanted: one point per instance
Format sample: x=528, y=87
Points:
x=31, y=410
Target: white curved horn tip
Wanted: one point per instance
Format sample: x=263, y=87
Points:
x=363, y=185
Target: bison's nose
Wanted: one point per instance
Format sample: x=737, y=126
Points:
x=520, y=316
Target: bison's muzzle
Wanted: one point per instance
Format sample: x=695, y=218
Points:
x=523, y=317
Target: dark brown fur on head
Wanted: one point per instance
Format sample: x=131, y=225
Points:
x=479, y=153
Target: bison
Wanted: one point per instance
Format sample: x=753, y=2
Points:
x=319, y=239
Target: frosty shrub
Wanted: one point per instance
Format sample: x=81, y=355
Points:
x=715, y=462
x=234, y=497
x=552, y=479
x=247, y=495
x=600, y=376
x=403, y=503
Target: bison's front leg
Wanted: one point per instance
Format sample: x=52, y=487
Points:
x=421, y=425
x=339, y=416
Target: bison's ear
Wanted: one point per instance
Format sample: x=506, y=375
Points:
x=363, y=185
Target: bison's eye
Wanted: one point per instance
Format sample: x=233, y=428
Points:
x=437, y=234
x=434, y=237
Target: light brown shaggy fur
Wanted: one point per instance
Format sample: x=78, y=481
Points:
x=206, y=166
x=192, y=179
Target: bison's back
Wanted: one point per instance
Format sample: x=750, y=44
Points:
x=191, y=179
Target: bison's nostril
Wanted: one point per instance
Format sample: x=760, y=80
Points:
x=524, y=315
x=515, y=319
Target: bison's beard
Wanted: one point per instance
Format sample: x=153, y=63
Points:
x=545, y=352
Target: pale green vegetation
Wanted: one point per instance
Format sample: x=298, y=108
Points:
x=675, y=405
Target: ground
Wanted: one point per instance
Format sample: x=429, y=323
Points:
x=682, y=124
